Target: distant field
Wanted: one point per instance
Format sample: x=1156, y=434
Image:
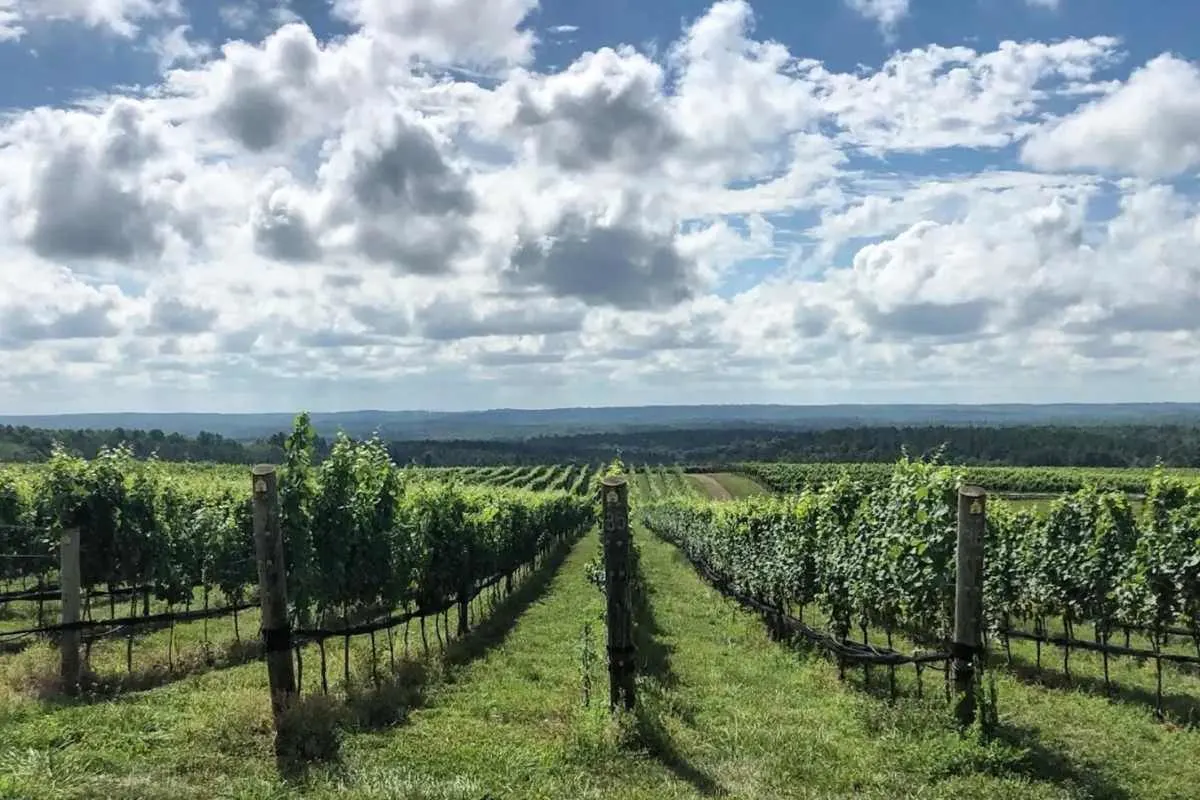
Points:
x=727, y=485
x=1002, y=480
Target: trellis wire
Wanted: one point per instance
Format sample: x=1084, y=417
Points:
x=845, y=651
x=301, y=637
x=1068, y=642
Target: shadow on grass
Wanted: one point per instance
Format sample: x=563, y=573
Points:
x=390, y=701
x=658, y=679
x=9, y=647
x=1181, y=709
x=500, y=620
x=892, y=684
x=317, y=722
x=45, y=684
x=1043, y=764
x=653, y=654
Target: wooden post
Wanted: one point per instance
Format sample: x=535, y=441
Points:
x=69, y=583
x=968, y=598
x=614, y=493
x=465, y=585
x=276, y=630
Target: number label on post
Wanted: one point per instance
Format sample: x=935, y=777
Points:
x=614, y=521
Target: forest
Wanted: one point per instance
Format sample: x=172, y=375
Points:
x=1043, y=445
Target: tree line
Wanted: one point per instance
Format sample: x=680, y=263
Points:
x=20, y=443
x=1044, y=445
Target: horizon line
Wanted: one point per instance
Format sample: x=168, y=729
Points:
x=529, y=409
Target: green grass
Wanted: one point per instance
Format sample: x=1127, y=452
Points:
x=717, y=485
x=1040, y=503
x=724, y=711
x=740, y=485
x=832, y=740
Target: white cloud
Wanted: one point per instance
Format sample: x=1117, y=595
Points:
x=470, y=32
x=121, y=17
x=244, y=15
x=1052, y=5
x=938, y=97
x=175, y=48
x=1149, y=127
x=354, y=225
x=884, y=12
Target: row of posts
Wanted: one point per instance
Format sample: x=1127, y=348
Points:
x=276, y=630
x=968, y=596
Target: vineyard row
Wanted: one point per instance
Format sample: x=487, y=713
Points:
x=362, y=536
x=1049, y=480
x=882, y=553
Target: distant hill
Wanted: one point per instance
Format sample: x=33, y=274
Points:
x=522, y=423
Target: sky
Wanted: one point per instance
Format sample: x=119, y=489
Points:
x=264, y=205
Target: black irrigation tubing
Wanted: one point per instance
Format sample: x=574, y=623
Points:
x=298, y=638
x=17, y=643
x=849, y=651
x=1171, y=630
x=54, y=592
x=133, y=622
x=1111, y=649
x=309, y=635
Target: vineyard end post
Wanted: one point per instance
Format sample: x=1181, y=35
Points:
x=968, y=599
x=272, y=588
x=614, y=495
x=70, y=584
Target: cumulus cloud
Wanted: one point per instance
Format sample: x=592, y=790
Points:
x=261, y=95
x=120, y=17
x=1149, y=127
x=446, y=318
x=615, y=262
x=245, y=15
x=938, y=97
x=606, y=109
x=722, y=218
x=473, y=32
x=279, y=221
x=172, y=315
x=395, y=196
x=96, y=187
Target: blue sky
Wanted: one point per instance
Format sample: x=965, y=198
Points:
x=58, y=61
x=474, y=203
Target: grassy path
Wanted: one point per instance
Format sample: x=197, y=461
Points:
x=511, y=722
x=492, y=706
x=726, y=485
x=710, y=486
x=726, y=712
x=759, y=721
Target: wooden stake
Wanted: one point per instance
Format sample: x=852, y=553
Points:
x=272, y=588
x=968, y=598
x=619, y=612
x=69, y=582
